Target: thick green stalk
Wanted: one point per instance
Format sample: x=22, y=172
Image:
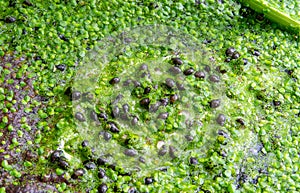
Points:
x=283, y=19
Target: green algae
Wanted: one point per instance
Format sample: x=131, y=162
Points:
x=250, y=91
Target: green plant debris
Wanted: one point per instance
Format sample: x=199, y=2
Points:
x=285, y=13
x=252, y=147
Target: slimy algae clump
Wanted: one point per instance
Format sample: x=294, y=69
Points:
x=143, y=81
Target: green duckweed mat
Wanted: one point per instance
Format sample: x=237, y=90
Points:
x=241, y=86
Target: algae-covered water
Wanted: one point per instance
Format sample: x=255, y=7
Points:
x=147, y=96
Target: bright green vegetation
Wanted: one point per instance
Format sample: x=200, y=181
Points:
x=145, y=72
x=257, y=149
x=285, y=13
x=287, y=6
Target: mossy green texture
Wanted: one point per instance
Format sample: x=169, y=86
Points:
x=261, y=99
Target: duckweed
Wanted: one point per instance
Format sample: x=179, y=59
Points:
x=152, y=114
x=43, y=44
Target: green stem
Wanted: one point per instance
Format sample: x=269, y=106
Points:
x=283, y=19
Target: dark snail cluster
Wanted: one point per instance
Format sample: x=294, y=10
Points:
x=245, y=139
x=150, y=96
